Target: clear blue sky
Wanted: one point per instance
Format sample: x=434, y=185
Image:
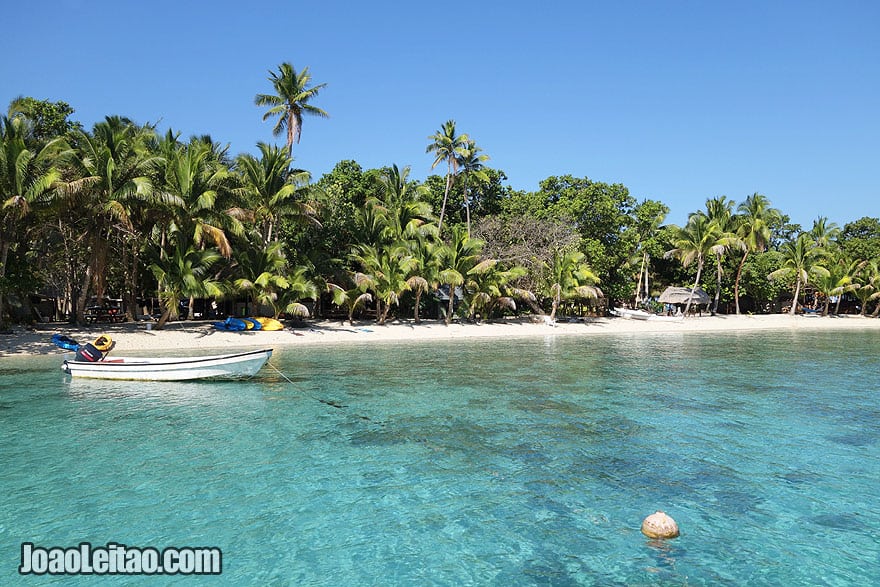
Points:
x=679, y=101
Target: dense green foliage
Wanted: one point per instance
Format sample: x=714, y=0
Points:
x=118, y=211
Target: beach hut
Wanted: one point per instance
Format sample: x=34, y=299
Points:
x=678, y=296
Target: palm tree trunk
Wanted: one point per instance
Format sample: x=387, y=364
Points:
x=797, y=294
x=736, y=282
x=687, y=306
x=827, y=303
x=467, y=206
x=416, y=313
x=83, y=297
x=4, y=257
x=717, y=287
x=451, y=304
x=445, y=197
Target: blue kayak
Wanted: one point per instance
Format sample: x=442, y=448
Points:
x=65, y=342
x=231, y=325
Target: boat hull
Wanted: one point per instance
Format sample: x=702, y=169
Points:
x=627, y=314
x=231, y=366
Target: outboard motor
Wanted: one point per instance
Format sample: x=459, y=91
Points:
x=94, y=351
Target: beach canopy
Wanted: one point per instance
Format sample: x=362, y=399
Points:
x=680, y=295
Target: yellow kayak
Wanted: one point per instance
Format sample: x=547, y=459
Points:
x=270, y=324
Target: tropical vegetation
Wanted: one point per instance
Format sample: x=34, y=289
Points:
x=174, y=227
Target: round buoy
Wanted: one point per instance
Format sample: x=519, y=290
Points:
x=659, y=525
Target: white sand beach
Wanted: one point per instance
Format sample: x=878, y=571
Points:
x=198, y=336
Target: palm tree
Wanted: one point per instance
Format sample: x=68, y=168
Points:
x=824, y=233
x=388, y=268
x=569, y=277
x=185, y=273
x=290, y=101
x=720, y=213
x=261, y=274
x=300, y=287
x=447, y=146
x=755, y=219
x=198, y=183
x=800, y=259
x=426, y=272
x=401, y=214
x=698, y=239
x=457, y=258
x=868, y=279
x=355, y=297
x=113, y=167
x=471, y=164
x=488, y=286
x=274, y=191
x=26, y=177
x=649, y=218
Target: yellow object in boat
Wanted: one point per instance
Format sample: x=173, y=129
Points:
x=270, y=323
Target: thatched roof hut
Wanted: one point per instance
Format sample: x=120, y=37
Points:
x=680, y=295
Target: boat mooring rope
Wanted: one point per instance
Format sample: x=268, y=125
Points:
x=323, y=401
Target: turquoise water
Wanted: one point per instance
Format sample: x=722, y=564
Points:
x=520, y=462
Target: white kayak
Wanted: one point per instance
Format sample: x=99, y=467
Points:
x=238, y=365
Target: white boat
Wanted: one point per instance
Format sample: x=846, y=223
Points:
x=631, y=314
x=237, y=365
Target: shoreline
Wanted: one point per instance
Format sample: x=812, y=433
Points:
x=199, y=335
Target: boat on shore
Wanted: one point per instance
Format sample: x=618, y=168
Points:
x=229, y=366
x=628, y=314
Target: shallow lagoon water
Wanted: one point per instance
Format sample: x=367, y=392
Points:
x=489, y=462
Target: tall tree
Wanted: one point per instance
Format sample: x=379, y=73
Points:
x=720, y=213
x=26, y=177
x=113, y=168
x=755, y=218
x=569, y=277
x=471, y=164
x=274, y=191
x=199, y=183
x=449, y=146
x=290, y=101
x=695, y=241
x=458, y=257
x=800, y=259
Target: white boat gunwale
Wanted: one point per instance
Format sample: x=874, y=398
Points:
x=161, y=361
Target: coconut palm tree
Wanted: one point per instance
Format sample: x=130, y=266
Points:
x=471, y=164
x=649, y=217
x=569, y=277
x=184, y=273
x=447, y=146
x=27, y=174
x=488, y=287
x=425, y=276
x=113, y=168
x=388, y=268
x=868, y=279
x=199, y=183
x=824, y=233
x=262, y=274
x=720, y=213
x=354, y=298
x=290, y=101
x=755, y=218
x=456, y=259
x=401, y=214
x=801, y=259
x=274, y=191
x=300, y=287
x=695, y=241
